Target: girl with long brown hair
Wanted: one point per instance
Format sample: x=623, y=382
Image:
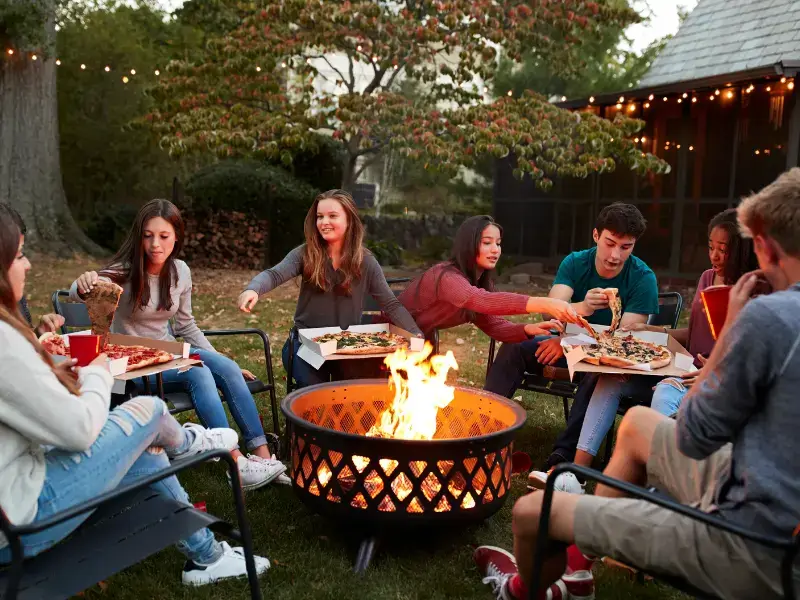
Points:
x=157, y=287
x=337, y=271
x=60, y=446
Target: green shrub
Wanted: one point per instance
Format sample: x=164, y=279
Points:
x=386, y=253
x=435, y=248
x=259, y=190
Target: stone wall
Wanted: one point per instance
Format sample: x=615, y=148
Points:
x=410, y=233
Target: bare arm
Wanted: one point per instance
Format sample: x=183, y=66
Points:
x=629, y=319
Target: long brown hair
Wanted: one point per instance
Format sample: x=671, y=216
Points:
x=315, y=254
x=129, y=263
x=10, y=236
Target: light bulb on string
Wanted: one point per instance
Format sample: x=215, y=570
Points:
x=783, y=79
x=647, y=105
x=680, y=100
x=133, y=71
x=650, y=97
x=665, y=98
x=125, y=79
x=790, y=85
x=621, y=99
x=509, y=93
x=83, y=67
x=107, y=69
x=729, y=94
x=258, y=69
x=685, y=95
x=396, y=67
x=691, y=148
x=619, y=106
x=631, y=107
x=711, y=97
x=563, y=98
x=58, y=63
x=591, y=99
x=694, y=99
x=283, y=65
x=716, y=92
x=769, y=88
x=34, y=57
x=10, y=51
x=358, y=48
x=157, y=72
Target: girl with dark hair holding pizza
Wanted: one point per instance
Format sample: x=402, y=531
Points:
x=157, y=287
x=731, y=256
x=60, y=445
x=462, y=290
x=337, y=271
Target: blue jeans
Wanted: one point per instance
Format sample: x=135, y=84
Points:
x=201, y=383
x=130, y=446
x=512, y=362
x=668, y=395
x=602, y=409
x=333, y=370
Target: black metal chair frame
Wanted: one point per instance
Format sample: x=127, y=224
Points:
x=789, y=544
x=16, y=569
x=180, y=400
x=566, y=389
x=369, y=306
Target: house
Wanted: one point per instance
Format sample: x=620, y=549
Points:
x=720, y=106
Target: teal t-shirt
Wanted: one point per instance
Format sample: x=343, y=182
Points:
x=636, y=282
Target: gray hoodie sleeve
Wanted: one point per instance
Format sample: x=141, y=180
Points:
x=727, y=394
x=289, y=268
x=383, y=294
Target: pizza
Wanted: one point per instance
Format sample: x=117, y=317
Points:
x=138, y=356
x=615, y=304
x=626, y=351
x=101, y=304
x=53, y=344
x=364, y=343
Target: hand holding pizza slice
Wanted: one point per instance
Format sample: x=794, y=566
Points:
x=101, y=304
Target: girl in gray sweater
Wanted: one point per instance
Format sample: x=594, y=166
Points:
x=157, y=288
x=337, y=271
x=60, y=446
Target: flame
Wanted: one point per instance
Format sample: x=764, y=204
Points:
x=420, y=388
x=420, y=391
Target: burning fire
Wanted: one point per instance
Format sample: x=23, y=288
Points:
x=420, y=386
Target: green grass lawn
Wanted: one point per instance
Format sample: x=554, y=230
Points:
x=311, y=556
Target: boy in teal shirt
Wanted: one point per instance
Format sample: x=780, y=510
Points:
x=580, y=280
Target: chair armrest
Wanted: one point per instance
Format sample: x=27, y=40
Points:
x=251, y=331
x=789, y=544
x=85, y=507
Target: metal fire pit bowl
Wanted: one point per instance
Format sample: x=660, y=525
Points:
x=463, y=474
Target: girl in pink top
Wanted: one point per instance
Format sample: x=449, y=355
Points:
x=462, y=291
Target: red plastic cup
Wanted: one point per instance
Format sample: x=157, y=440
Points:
x=200, y=506
x=520, y=462
x=715, y=303
x=84, y=348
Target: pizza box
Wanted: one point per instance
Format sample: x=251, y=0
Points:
x=179, y=350
x=316, y=354
x=575, y=336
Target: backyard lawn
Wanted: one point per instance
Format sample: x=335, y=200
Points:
x=312, y=557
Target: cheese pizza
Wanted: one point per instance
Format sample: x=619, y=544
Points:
x=364, y=343
x=626, y=351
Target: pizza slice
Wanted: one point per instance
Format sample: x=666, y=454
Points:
x=139, y=357
x=53, y=344
x=615, y=304
x=101, y=304
x=364, y=343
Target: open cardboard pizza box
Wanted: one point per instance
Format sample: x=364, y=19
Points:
x=316, y=354
x=575, y=336
x=179, y=351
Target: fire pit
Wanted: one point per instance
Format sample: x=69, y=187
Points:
x=417, y=452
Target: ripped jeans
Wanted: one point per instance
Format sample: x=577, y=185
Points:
x=130, y=446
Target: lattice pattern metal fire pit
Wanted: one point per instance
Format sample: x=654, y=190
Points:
x=462, y=474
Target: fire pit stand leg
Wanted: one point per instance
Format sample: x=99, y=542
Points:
x=365, y=553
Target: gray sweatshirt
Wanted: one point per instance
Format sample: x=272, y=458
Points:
x=316, y=308
x=37, y=411
x=748, y=395
x=149, y=322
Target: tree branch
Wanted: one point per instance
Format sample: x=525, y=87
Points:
x=367, y=163
x=337, y=71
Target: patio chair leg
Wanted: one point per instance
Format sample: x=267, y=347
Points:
x=366, y=551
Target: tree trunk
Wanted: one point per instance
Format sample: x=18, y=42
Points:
x=349, y=172
x=30, y=170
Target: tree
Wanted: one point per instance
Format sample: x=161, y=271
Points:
x=30, y=173
x=289, y=69
x=609, y=67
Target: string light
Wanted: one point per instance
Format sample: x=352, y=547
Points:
x=644, y=139
x=83, y=67
x=10, y=52
x=563, y=98
x=680, y=100
x=758, y=152
x=125, y=79
x=711, y=97
x=509, y=93
x=729, y=94
x=258, y=69
x=790, y=85
x=685, y=95
x=691, y=148
x=591, y=99
x=716, y=92
x=636, y=140
x=694, y=99
x=665, y=98
x=783, y=79
x=133, y=71
x=650, y=97
x=621, y=99
x=58, y=63
x=769, y=88
x=396, y=67
x=107, y=69
x=358, y=48
x=631, y=107
x=619, y=106
x=157, y=72
x=283, y=65
x=678, y=146
x=34, y=57
x=374, y=59
x=647, y=105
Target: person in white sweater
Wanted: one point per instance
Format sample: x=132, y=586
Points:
x=157, y=287
x=60, y=445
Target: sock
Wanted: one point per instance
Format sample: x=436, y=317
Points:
x=517, y=587
x=577, y=560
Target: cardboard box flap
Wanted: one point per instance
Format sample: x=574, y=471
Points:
x=316, y=354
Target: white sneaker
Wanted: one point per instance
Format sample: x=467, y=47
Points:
x=256, y=472
x=566, y=482
x=208, y=439
x=283, y=479
x=230, y=564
